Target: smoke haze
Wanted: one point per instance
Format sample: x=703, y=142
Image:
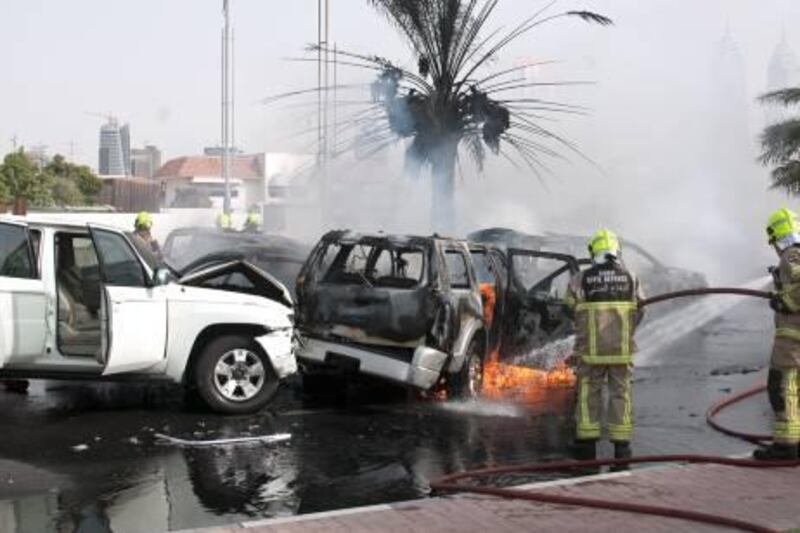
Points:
x=672, y=131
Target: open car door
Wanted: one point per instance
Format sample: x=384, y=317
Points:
x=535, y=313
x=135, y=322
x=22, y=296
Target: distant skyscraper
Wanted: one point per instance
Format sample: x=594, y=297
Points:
x=783, y=72
x=125, y=139
x=112, y=158
x=145, y=162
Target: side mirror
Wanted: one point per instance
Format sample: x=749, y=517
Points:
x=161, y=276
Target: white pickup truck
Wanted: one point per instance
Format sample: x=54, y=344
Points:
x=89, y=302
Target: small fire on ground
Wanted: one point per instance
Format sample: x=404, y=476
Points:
x=502, y=381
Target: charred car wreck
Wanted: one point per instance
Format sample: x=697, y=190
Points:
x=406, y=309
x=424, y=311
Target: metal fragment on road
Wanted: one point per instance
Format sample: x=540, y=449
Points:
x=265, y=439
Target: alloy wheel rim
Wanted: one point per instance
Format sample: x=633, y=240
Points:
x=475, y=376
x=239, y=375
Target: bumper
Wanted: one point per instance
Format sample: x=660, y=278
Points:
x=278, y=345
x=422, y=372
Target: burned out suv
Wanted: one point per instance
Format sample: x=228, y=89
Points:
x=406, y=309
x=422, y=311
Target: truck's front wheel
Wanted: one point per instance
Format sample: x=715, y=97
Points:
x=233, y=375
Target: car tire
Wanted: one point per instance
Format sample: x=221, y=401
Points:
x=233, y=375
x=467, y=383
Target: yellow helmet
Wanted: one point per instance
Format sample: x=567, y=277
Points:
x=782, y=223
x=604, y=242
x=144, y=220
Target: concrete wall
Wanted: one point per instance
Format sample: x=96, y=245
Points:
x=163, y=223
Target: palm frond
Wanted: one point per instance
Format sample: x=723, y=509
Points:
x=787, y=177
x=780, y=142
x=590, y=16
x=789, y=96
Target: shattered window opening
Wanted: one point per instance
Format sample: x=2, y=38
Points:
x=457, y=270
x=483, y=268
x=381, y=265
x=541, y=275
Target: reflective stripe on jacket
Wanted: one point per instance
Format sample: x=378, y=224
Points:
x=786, y=348
x=605, y=300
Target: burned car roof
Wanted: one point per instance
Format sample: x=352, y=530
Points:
x=349, y=236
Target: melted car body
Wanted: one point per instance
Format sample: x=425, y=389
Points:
x=404, y=308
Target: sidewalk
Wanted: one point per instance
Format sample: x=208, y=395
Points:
x=769, y=497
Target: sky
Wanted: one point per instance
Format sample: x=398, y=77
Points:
x=155, y=64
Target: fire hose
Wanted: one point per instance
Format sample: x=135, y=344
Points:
x=450, y=483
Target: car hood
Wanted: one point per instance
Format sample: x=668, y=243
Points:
x=268, y=286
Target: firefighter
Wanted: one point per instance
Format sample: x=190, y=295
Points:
x=252, y=223
x=224, y=222
x=783, y=380
x=141, y=229
x=605, y=302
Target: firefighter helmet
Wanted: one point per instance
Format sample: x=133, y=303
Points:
x=781, y=224
x=144, y=220
x=604, y=242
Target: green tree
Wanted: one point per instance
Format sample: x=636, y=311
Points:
x=66, y=192
x=781, y=143
x=22, y=179
x=4, y=196
x=446, y=105
x=74, y=184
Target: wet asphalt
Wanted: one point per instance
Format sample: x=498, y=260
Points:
x=84, y=457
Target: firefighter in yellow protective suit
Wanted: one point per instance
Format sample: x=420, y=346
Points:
x=783, y=381
x=142, y=228
x=224, y=222
x=252, y=223
x=605, y=300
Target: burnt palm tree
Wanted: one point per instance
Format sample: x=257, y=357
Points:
x=780, y=143
x=449, y=104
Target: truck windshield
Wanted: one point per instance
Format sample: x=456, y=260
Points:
x=381, y=265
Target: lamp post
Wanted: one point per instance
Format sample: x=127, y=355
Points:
x=227, y=100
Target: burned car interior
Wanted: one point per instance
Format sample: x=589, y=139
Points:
x=379, y=264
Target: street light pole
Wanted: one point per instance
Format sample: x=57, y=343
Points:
x=227, y=99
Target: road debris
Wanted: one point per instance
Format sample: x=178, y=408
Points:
x=264, y=439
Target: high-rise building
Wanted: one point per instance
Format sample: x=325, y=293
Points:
x=112, y=158
x=783, y=72
x=125, y=139
x=145, y=162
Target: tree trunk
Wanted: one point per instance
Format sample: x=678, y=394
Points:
x=20, y=206
x=443, y=177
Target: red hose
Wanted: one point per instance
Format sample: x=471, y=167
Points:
x=705, y=292
x=448, y=484
x=715, y=409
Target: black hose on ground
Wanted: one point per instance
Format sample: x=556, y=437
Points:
x=450, y=483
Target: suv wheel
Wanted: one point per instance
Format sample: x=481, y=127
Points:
x=233, y=375
x=467, y=383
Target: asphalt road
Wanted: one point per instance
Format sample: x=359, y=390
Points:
x=83, y=457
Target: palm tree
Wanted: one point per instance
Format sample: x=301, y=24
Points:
x=449, y=104
x=781, y=143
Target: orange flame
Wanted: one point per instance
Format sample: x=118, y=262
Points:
x=525, y=384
